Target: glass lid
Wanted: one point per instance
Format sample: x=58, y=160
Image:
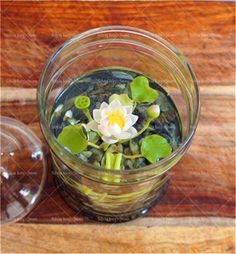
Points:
x=23, y=169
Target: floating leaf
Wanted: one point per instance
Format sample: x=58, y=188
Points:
x=73, y=137
x=123, y=98
x=155, y=147
x=141, y=91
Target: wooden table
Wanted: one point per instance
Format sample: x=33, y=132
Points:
x=197, y=213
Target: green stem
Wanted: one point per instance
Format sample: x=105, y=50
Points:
x=141, y=131
x=144, y=127
x=134, y=156
x=108, y=161
x=118, y=161
x=93, y=145
x=104, y=146
x=113, y=161
x=87, y=113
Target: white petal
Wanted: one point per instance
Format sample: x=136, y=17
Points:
x=128, y=109
x=128, y=123
x=132, y=131
x=134, y=119
x=103, y=130
x=130, y=120
x=109, y=140
x=114, y=129
x=104, y=121
x=123, y=135
x=123, y=111
x=103, y=105
x=92, y=125
x=97, y=115
x=104, y=112
x=115, y=104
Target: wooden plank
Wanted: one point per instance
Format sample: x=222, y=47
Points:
x=203, y=183
x=162, y=237
x=196, y=214
x=6, y=94
x=203, y=31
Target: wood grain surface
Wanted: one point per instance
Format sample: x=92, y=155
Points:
x=191, y=235
x=197, y=213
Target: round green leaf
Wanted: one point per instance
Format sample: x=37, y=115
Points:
x=73, y=137
x=82, y=102
x=155, y=147
x=141, y=91
x=123, y=98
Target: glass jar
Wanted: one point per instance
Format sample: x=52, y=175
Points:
x=81, y=183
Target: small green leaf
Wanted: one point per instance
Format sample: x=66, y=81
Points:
x=123, y=98
x=141, y=91
x=155, y=147
x=73, y=137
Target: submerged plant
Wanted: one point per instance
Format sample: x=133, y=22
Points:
x=114, y=124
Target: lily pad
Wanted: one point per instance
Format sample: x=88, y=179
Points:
x=141, y=91
x=123, y=98
x=73, y=137
x=155, y=147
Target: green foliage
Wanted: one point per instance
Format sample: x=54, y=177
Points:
x=155, y=147
x=141, y=91
x=123, y=98
x=73, y=137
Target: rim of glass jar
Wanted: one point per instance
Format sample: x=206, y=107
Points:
x=131, y=30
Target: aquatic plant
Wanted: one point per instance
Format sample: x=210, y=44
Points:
x=114, y=123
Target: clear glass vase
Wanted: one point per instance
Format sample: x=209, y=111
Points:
x=81, y=183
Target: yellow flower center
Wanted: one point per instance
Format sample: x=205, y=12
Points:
x=117, y=117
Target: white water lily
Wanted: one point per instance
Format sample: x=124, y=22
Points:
x=114, y=121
